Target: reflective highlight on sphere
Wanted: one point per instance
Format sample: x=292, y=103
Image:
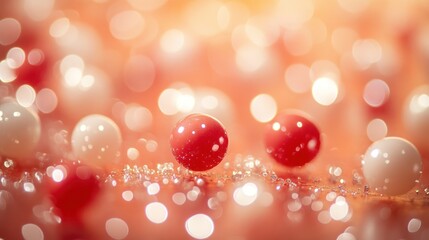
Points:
x=96, y=140
x=392, y=166
x=20, y=130
x=292, y=140
x=199, y=142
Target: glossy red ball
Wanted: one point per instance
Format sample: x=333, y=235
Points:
x=292, y=140
x=74, y=193
x=199, y=142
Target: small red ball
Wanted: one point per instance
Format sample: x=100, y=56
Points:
x=199, y=142
x=292, y=140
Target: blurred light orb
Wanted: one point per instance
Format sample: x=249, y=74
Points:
x=38, y=10
x=31, y=231
x=59, y=27
x=392, y=166
x=214, y=102
x=263, y=107
x=176, y=100
x=325, y=91
x=376, y=93
x=137, y=118
x=156, y=212
x=20, y=128
x=416, y=115
x=81, y=39
x=10, y=29
x=366, y=52
x=79, y=88
x=324, y=68
x=71, y=61
x=139, y=73
x=199, y=226
x=126, y=25
x=376, y=129
x=294, y=13
x=263, y=31
x=35, y=57
x=15, y=57
x=250, y=59
x=46, y=100
x=7, y=74
x=25, y=95
x=246, y=195
x=297, y=78
x=96, y=140
x=117, y=228
x=172, y=41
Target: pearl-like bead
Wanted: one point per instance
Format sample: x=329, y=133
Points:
x=20, y=130
x=292, y=140
x=392, y=166
x=96, y=140
x=199, y=142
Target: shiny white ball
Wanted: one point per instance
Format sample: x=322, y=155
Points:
x=392, y=166
x=20, y=130
x=96, y=140
x=416, y=115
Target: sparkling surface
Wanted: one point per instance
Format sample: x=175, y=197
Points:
x=292, y=140
x=199, y=142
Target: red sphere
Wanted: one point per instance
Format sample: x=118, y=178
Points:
x=73, y=194
x=292, y=140
x=199, y=142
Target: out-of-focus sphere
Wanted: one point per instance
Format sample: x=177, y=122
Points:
x=96, y=140
x=214, y=102
x=20, y=130
x=416, y=115
x=392, y=166
x=85, y=92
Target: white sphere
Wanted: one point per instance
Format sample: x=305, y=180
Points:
x=392, y=166
x=20, y=130
x=416, y=115
x=96, y=140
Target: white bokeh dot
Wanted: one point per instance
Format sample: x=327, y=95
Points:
x=263, y=107
x=199, y=226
